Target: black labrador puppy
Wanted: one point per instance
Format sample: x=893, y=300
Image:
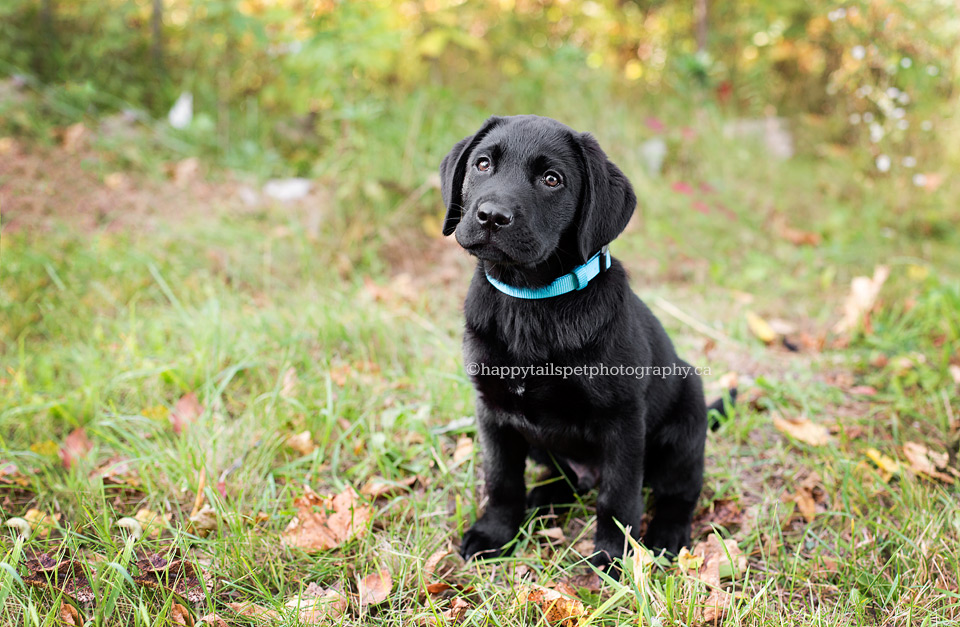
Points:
x=569, y=365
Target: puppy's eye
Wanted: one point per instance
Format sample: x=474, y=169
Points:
x=483, y=164
x=552, y=179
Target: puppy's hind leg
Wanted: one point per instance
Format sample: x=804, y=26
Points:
x=674, y=470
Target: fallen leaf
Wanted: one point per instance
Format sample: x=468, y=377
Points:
x=61, y=574
x=888, y=466
x=555, y=534
x=805, y=504
x=41, y=520
x=760, y=328
x=152, y=522
x=315, y=605
x=458, y=608
x=555, y=607
x=288, y=387
x=715, y=606
x=256, y=612
x=180, y=616
x=463, y=451
x=378, y=487
x=721, y=560
x=340, y=519
x=798, y=237
x=688, y=561
x=374, y=589
x=117, y=471
x=172, y=573
x=75, y=447
x=69, y=615
x=926, y=462
x=802, y=429
x=45, y=448
x=11, y=475
x=205, y=521
x=302, y=443
x=863, y=296
x=186, y=411
x=213, y=620
x=430, y=566
x=863, y=390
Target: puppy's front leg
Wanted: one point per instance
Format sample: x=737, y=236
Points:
x=620, y=498
x=504, y=457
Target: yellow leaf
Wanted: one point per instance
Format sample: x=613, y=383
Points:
x=688, y=561
x=887, y=465
x=761, y=328
x=156, y=412
x=47, y=448
x=802, y=429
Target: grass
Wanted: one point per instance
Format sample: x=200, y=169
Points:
x=106, y=329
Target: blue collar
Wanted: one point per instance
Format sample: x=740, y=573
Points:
x=576, y=280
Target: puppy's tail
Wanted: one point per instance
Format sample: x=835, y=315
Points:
x=720, y=410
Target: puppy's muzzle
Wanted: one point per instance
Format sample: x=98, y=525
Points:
x=494, y=217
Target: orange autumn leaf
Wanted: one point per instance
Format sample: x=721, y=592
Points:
x=326, y=522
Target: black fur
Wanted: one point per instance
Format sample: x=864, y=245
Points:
x=619, y=432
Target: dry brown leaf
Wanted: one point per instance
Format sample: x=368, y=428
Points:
x=926, y=462
x=715, y=606
x=302, y=443
x=720, y=560
x=430, y=566
x=802, y=429
x=806, y=504
x=463, y=451
x=457, y=610
x=374, y=589
x=290, y=381
x=75, y=447
x=863, y=390
x=556, y=608
x=863, y=296
x=69, y=615
x=186, y=411
x=760, y=328
x=378, y=487
x=340, y=519
x=180, y=616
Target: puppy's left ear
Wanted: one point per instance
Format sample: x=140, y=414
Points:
x=607, y=202
x=453, y=170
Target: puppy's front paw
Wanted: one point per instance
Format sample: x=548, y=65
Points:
x=669, y=537
x=485, y=541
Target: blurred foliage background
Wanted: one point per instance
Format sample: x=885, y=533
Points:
x=308, y=87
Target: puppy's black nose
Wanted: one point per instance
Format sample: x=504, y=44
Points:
x=493, y=216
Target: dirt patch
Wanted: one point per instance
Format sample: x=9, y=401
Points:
x=45, y=188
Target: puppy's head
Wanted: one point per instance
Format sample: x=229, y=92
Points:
x=523, y=189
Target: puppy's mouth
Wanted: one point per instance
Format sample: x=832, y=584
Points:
x=485, y=247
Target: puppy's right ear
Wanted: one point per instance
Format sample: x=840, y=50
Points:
x=453, y=170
